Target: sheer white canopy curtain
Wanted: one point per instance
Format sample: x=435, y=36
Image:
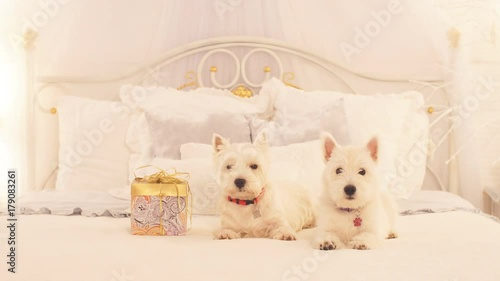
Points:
x=12, y=105
x=384, y=38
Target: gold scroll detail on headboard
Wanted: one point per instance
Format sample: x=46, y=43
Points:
x=191, y=80
x=287, y=78
x=239, y=90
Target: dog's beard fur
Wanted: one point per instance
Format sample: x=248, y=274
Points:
x=284, y=208
x=353, y=168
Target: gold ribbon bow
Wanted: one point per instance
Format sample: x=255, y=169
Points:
x=162, y=187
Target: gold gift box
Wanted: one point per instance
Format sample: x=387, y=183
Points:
x=160, y=205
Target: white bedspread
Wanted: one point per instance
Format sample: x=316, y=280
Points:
x=95, y=204
x=449, y=246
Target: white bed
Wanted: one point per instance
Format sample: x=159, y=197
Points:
x=446, y=245
x=441, y=237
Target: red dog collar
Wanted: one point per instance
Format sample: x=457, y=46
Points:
x=246, y=202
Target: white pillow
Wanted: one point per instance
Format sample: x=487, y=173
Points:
x=298, y=118
x=305, y=156
x=176, y=117
x=398, y=120
x=194, y=150
x=204, y=189
x=286, y=128
x=169, y=132
x=92, y=150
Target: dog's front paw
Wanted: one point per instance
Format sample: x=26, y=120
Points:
x=226, y=234
x=365, y=241
x=359, y=246
x=327, y=246
x=392, y=235
x=283, y=233
x=328, y=242
x=284, y=236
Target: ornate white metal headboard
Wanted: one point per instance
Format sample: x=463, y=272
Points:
x=240, y=83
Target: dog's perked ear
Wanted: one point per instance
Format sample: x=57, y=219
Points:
x=261, y=141
x=329, y=144
x=219, y=143
x=373, y=148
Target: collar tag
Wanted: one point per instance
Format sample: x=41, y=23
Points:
x=357, y=221
x=256, y=213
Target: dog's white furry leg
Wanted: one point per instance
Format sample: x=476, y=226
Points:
x=311, y=221
x=283, y=233
x=364, y=241
x=328, y=241
x=226, y=233
x=310, y=224
x=277, y=228
x=391, y=210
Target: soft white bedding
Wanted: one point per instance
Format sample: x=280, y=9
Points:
x=112, y=203
x=77, y=202
x=432, y=200
x=454, y=245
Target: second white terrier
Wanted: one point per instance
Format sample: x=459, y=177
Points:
x=355, y=211
x=252, y=205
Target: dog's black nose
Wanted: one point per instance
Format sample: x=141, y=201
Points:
x=350, y=189
x=240, y=183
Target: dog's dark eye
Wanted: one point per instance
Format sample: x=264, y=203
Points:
x=229, y=167
x=362, y=172
x=339, y=170
x=254, y=166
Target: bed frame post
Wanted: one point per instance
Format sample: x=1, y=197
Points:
x=30, y=164
x=453, y=35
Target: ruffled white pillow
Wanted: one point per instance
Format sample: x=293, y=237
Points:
x=299, y=118
x=163, y=119
x=398, y=120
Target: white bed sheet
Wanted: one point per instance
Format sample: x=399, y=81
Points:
x=76, y=202
x=95, y=203
x=455, y=245
x=433, y=200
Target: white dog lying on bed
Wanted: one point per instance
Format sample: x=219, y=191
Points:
x=252, y=205
x=355, y=212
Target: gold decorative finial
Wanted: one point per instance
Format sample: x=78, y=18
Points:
x=53, y=110
x=430, y=110
x=213, y=69
x=242, y=91
x=453, y=37
x=29, y=37
x=267, y=69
